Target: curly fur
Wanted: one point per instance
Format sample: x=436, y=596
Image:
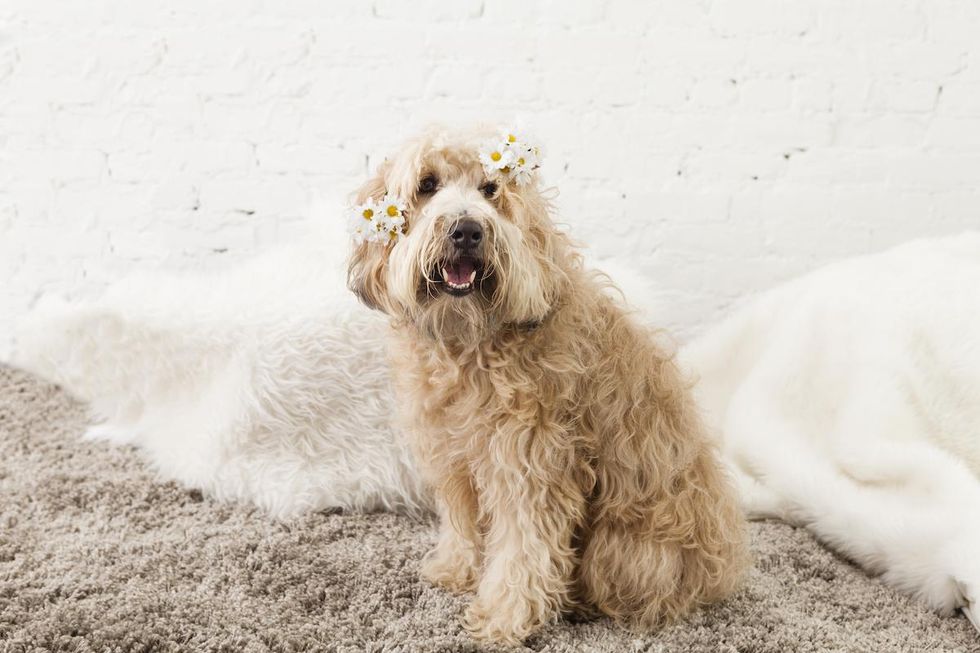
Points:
x=569, y=463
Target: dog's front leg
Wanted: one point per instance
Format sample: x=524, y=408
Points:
x=534, y=507
x=454, y=563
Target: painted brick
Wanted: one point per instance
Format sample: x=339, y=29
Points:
x=723, y=146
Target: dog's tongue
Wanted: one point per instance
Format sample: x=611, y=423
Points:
x=460, y=272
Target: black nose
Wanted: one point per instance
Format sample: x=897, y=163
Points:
x=466, y=234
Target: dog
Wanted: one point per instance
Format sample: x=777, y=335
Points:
x=569, y=463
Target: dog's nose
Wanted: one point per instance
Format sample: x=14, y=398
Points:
x=466, y=234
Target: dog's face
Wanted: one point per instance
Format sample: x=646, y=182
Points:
x=478, y=252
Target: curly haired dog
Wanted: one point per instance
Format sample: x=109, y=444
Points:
x=566, y=454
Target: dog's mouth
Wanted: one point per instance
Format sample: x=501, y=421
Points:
x=459, y=277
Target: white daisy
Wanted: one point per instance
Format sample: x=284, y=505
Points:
x=519, y=137
x=496, y=157
x=378, y=222
x=361, y=222
x=515, y=156
x=392, y=211
x=525, y=163
x=384, y=228
x=393, y=207
x=514, y=136
x=395, y=232
x=392, y=215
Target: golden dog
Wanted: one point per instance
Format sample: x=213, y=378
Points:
x=570, y=465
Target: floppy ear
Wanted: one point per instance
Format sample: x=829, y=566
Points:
x=366, y=265
x=533, y=272
x=365, y=275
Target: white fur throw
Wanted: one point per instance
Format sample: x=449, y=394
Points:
x=266, y=383
x=848, y=401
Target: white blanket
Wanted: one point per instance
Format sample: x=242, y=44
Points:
x=847, y=401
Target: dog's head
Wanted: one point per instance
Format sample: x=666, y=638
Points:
x=479, y=249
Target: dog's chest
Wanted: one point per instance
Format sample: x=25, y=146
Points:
x=474, y=393
x=464, y=391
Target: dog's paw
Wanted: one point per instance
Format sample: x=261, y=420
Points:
x=496, y=623
x=454, y=570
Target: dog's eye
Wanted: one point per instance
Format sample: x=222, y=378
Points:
x=489, y=189
x=428, y=185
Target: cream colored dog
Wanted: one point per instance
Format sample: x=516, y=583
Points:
x=570, y=465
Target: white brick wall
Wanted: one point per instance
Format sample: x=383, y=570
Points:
x=725, y=144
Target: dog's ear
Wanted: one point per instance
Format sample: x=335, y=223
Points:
x=365, y=275
x=365, y=267
x=532, y=272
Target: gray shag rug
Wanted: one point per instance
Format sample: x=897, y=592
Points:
x=97, y=554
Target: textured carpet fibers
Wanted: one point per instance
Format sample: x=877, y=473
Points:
x=96, y=554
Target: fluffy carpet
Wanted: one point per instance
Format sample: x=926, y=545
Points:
x=96, y=554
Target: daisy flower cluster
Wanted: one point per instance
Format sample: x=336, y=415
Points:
x=378, y=222
x=514, y=156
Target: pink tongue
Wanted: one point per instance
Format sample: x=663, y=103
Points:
x=459, y=272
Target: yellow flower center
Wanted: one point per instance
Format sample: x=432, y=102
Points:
x=495, y=156
x=368, y=214
x=511, y=138
x=505, y=170
x=520, y=161
x=392, y=210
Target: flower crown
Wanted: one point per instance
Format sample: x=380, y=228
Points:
x=378, y=222
x=515, y=156
x=512, y=157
